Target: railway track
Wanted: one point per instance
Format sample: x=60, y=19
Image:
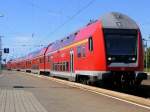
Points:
x=128, y=96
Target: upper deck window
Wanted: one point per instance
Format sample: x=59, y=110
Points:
x=79, y=51
x=90, y=41
x=49, y=58
x=83, y=51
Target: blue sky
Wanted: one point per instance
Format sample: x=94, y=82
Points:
x=27, y=25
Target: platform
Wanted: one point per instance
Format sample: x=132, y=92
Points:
x=19, y=101
x=20, y=92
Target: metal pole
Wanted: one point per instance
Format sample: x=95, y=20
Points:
x=1, y=15
x=146, y=56
x=0, y=54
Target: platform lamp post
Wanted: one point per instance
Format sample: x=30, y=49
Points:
x=1, y=15
x=1, y=53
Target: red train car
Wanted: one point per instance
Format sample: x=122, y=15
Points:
x=108, y=49
x=14, y=64
x=38, y=61
x=9, y=65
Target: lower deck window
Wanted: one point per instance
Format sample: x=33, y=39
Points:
x=62, y=66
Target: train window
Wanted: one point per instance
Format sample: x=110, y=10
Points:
x=90, y=41
x=83, y=51
x=63, y=68
x=57, y=66
x=48, y=58
x=41, y=60
x=79, y=51
x=53, y=66
x=121, y=44
x=66, y=66
x=60, y=66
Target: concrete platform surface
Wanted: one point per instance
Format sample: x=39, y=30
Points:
x=20, y=92
x=19, y=101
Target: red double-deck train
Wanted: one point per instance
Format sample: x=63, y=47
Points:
x=108, y=49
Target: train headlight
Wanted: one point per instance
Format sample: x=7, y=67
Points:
x=109, y=58
x=133, y=59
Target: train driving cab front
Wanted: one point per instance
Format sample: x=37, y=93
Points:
x=123, y=48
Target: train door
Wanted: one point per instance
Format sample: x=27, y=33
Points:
x=71, y=61
x=72, y=65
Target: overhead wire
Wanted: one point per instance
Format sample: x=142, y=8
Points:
x=72, y=17
x=33, y=4
x=58, y=13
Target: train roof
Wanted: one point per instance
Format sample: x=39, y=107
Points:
x=62, y=42
x=42, y=51
x=110, y=20
x=16, y=60
x=37, y=53
x=74, y=37
x=118, y=21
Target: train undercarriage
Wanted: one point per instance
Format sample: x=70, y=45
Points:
x=119, y=79
x=114, y=79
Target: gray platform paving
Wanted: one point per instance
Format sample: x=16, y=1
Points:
x=20, y=92
x=19, y=101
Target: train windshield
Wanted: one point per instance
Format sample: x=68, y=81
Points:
x=121, y=44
